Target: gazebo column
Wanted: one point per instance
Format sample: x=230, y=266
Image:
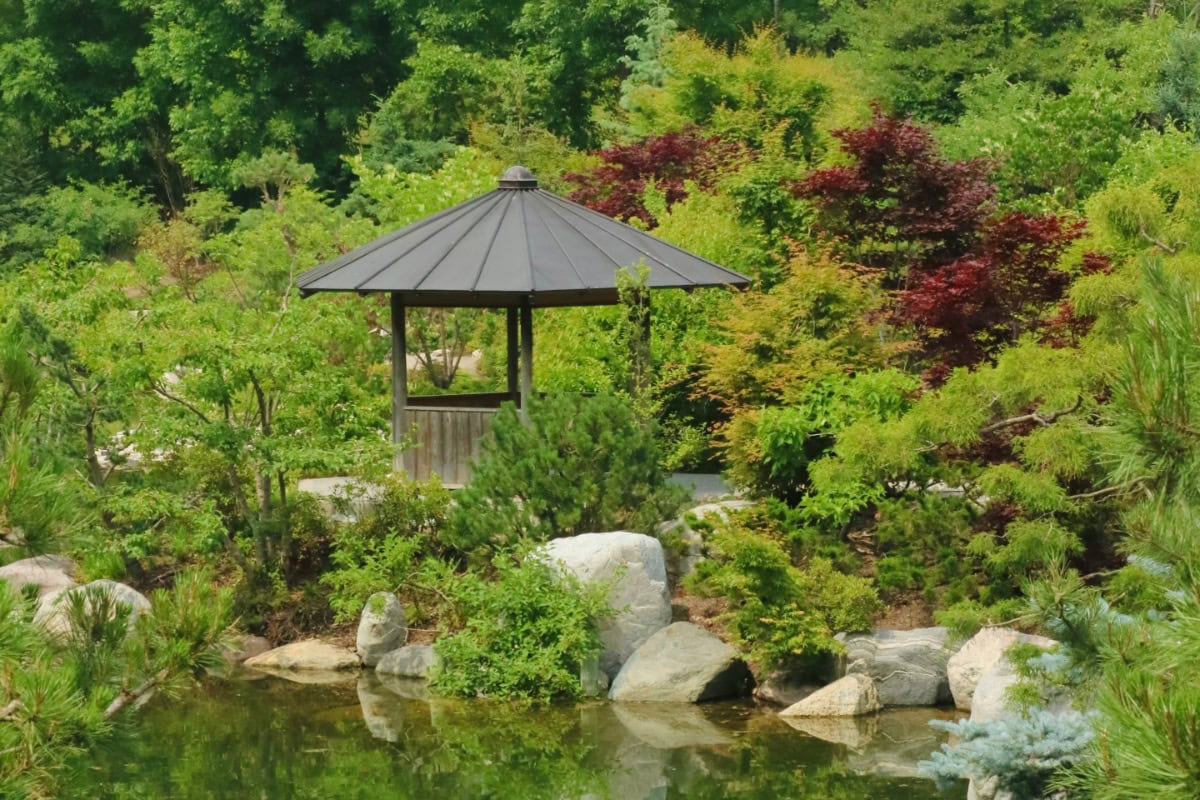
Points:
x=514, y=389
x=526, y=356
x=399, y=379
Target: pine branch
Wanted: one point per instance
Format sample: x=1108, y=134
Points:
x=10, y=710
x=1107, y=490
x=126, y=697
x=1045, y=420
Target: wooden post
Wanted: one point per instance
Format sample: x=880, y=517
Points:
x=526, y=357
x=514, y=388
x=399, y=380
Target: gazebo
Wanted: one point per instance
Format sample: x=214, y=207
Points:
x=517, y=247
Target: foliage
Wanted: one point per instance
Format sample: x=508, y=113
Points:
x=899, y=201
x=816, y=322
x=390, y=549
x=579, y=464
x=1053, y=148
x=968, y=279
x=771, y=449
x=741, y=97
x=785, y=616
x=919, y=53
x=665, y=163
x=525, y=634
x=58, y=697
x=1021, y=753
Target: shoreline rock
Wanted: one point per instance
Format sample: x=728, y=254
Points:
x=52, y=613
x=381, y=629
x=908, y=667
x=981, y=653
x=310, y=654
x=633, y=562
x=852, y=696
x=410, y=661
x=682, y=663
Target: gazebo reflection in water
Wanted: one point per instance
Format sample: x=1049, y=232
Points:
x=516, y=248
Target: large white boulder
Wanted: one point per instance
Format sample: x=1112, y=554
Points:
x=851, y=696
x=982, y=652
x=908, y=667
x=381, y=629
x=48, y=573
x=682, y=663
x=53, y=609
x=633, y=563
x=310, y=654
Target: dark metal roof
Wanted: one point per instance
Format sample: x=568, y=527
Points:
x=513, y=244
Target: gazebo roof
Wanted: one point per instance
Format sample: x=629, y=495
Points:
x=513, y=245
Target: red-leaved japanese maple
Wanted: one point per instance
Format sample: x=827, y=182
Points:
x=899, y=202
x=667, y=161
x=966, y=308
x=967, y=279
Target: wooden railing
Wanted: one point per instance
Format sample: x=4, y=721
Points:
x=446, y=431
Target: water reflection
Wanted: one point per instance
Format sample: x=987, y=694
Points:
x=276, y=740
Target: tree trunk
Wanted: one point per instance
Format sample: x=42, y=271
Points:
x=95, y=471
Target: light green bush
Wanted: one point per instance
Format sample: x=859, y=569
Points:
x=523, y=635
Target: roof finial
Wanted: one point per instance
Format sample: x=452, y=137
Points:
x=518, y=177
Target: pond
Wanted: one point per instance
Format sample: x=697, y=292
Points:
x=272, y=739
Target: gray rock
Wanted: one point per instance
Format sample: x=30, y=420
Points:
x=407, y=688
x=310, y=654
x=908, y=667
x=381, y=629
x=983, y=651
x=989, y=701
x=987, y=789
x=850, y=696
x=48, y=573
x=246, y=646
x=682, y=663
x=410, y=661
x=633, y=562
x=782, y=689
x=52, y=611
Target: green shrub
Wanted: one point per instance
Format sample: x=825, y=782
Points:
x=60, y=697
x=921, y=540
x=523, y=635
x=391, y=549
x=580, y=464
x=784, y=616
